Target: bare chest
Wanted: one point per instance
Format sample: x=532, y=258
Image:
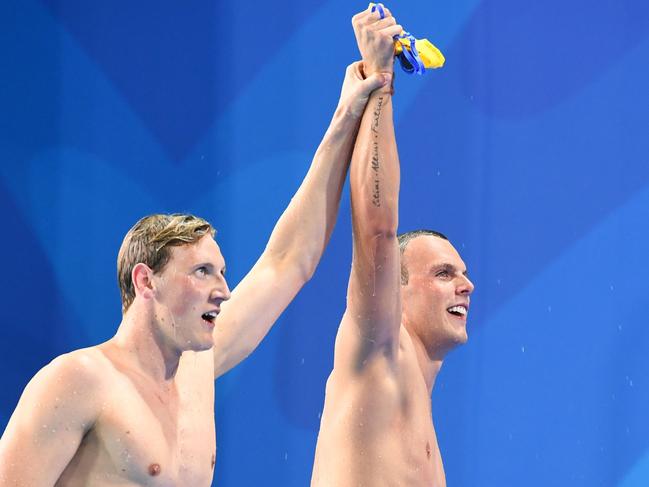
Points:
x=415, y=447
x=379, y=436
x=146, y=437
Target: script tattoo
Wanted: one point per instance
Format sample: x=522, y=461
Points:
x=376, y=192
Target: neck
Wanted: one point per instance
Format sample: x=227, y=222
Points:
x=140, y=337
x=429, y=363
x=429, y=359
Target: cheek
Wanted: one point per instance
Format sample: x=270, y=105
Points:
x=185, y=296
x=426, y=300
x=433, y=294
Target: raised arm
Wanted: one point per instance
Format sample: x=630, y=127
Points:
x=55, y=411
x=299, y=237
x=371, y=322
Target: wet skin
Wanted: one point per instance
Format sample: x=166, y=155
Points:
x=376, y=428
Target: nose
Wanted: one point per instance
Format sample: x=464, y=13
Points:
x=221, y=290
x=465, y=287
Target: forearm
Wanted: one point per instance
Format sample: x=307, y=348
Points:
x=301, y=234
x=373, y=297
x=375, y=170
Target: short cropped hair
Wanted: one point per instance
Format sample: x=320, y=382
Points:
x=149, y=241
x=404, y=239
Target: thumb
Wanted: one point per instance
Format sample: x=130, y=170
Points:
x=375, y=81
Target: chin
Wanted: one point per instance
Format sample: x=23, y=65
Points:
x=455, y=338
x=199, y=345
x=460, y=337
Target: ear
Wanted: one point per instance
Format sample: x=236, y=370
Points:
x=142, y=277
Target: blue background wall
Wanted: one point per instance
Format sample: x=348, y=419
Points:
x=529, y=149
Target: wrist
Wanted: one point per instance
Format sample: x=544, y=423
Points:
x=388, y=88
x=378, y=67
x=346, y=114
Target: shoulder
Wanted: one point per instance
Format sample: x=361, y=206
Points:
x=86, y=365
x=80, y=374
x=67, y=393
x=60, y=404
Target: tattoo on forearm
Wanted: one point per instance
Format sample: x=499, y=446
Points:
x=376, y=192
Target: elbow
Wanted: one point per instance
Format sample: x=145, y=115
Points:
x=376, y=221
x=305, y=268
x=299, y=266
x=387, y=232
x=381, y=226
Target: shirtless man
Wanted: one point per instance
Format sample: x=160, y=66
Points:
x=138, y=410
x=407, y=302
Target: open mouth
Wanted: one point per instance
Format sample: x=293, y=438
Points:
x=210, y=316
x=458, y=310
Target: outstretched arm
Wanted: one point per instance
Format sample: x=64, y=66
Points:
x=299, y=237
x=372, y=320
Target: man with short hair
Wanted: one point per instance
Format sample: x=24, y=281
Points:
x=407, y=303
x=139, y=409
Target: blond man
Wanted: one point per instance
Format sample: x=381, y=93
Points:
x=407, y=303
x=139, y=409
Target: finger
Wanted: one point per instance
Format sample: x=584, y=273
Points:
x=362, y=17
x=382, y=24
x=379, y=11
x=355, y=70
x=386, y=11
x=393, y=30
x=373, y=82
